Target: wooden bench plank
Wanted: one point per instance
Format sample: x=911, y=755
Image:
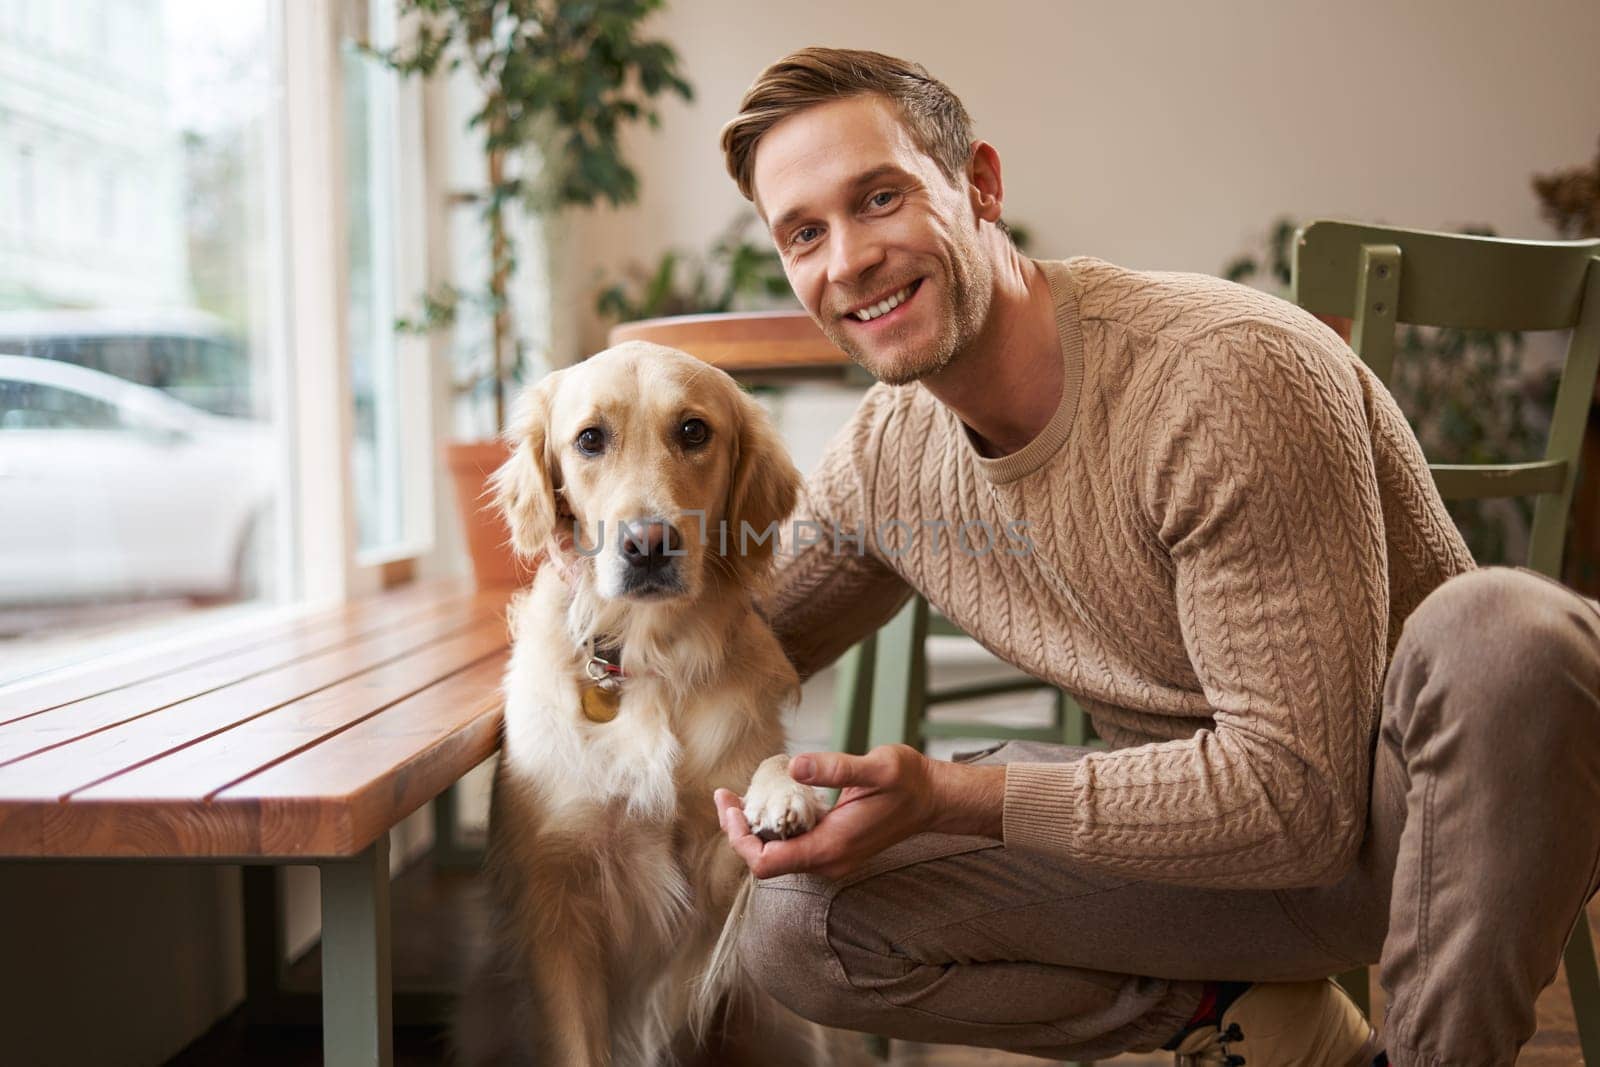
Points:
x=113, y=831
x=24, y=698
x=286, y=646
x=366, y=778
x=59, y=725
x=83, y=718
x=411, y=754
x=211, y=764
x=43, y=762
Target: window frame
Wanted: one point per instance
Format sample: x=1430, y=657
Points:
x=322, y=490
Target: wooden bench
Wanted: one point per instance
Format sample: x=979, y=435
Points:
x=297, y=742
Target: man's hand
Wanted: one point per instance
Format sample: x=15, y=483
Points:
x=889, y=794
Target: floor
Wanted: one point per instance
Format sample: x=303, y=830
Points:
x=433, y=910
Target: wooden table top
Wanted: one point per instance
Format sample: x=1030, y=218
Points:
x=301, y=738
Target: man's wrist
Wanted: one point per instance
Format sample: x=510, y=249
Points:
x=968, y=798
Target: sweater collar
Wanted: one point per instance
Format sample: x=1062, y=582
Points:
x=1033, y=455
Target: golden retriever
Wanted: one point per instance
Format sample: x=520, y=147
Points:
x=641, y=679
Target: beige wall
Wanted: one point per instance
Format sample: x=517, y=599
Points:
x=1167, y=135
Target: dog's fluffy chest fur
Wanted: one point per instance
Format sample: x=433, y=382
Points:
x=689, y=722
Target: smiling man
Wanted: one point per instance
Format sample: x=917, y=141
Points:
x=1228, y=524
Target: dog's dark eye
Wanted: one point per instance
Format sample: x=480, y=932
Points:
x=592, y=441
x=694, y=432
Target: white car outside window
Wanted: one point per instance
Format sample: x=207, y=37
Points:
x=113, y=489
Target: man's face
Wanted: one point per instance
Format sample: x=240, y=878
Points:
x=862, y=216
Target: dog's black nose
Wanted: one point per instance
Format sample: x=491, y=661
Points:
x=650, y=544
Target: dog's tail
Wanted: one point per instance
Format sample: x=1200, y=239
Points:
x=722, y=968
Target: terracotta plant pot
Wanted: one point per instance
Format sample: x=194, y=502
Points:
x=494, y=564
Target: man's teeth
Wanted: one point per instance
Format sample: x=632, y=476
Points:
x=883, y=307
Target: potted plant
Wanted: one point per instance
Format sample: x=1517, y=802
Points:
x=560, y=80
x=736, y=272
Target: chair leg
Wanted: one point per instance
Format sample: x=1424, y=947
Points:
x=357, y=998
x=1358, y=983
x=853, y=700
x=1075, y=728
x=1583, y=981
x=900, y=678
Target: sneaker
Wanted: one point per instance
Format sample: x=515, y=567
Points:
x=1284, y=1024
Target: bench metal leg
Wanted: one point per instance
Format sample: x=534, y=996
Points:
x=448, y=851
x=263, y=945
x=357, y=1006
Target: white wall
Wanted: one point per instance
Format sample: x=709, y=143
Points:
x=1168, y=135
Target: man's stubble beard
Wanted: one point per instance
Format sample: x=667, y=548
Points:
x=966, y=297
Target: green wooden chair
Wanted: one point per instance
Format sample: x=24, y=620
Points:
x=1378, y=277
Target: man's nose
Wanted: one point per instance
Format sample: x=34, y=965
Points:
x=854, y=250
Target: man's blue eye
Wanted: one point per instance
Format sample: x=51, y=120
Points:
x=883, y=199
x=805, y=234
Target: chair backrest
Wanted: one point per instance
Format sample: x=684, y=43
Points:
x=1380, y=277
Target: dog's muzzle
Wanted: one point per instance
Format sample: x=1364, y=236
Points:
x=652, y=551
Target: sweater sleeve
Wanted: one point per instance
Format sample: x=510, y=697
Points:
x=831, y=586
x=1258, y=481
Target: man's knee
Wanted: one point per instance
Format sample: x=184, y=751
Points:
x=783, y=945
x=1514, y=638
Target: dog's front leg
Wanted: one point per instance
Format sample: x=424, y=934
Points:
x=572, y=992
x=563, y=935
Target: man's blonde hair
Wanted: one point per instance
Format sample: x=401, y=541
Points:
x=931, y=112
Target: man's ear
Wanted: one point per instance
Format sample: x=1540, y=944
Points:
x=984, y=184
x=762, y=489
x=525, y=486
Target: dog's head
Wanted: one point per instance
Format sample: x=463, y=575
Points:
x=663, y=471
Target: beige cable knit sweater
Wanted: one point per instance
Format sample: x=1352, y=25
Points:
x=1226, y=522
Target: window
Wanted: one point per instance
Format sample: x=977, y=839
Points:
x=25, y=204
x=141, y=426
x=198, y=284
x=385, y=392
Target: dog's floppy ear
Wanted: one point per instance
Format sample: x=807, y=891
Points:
x=762, y=489
x=525, y=485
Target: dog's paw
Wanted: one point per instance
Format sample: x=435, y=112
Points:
x=776, y=806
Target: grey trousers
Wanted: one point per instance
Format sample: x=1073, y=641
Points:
x=1481, y=850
